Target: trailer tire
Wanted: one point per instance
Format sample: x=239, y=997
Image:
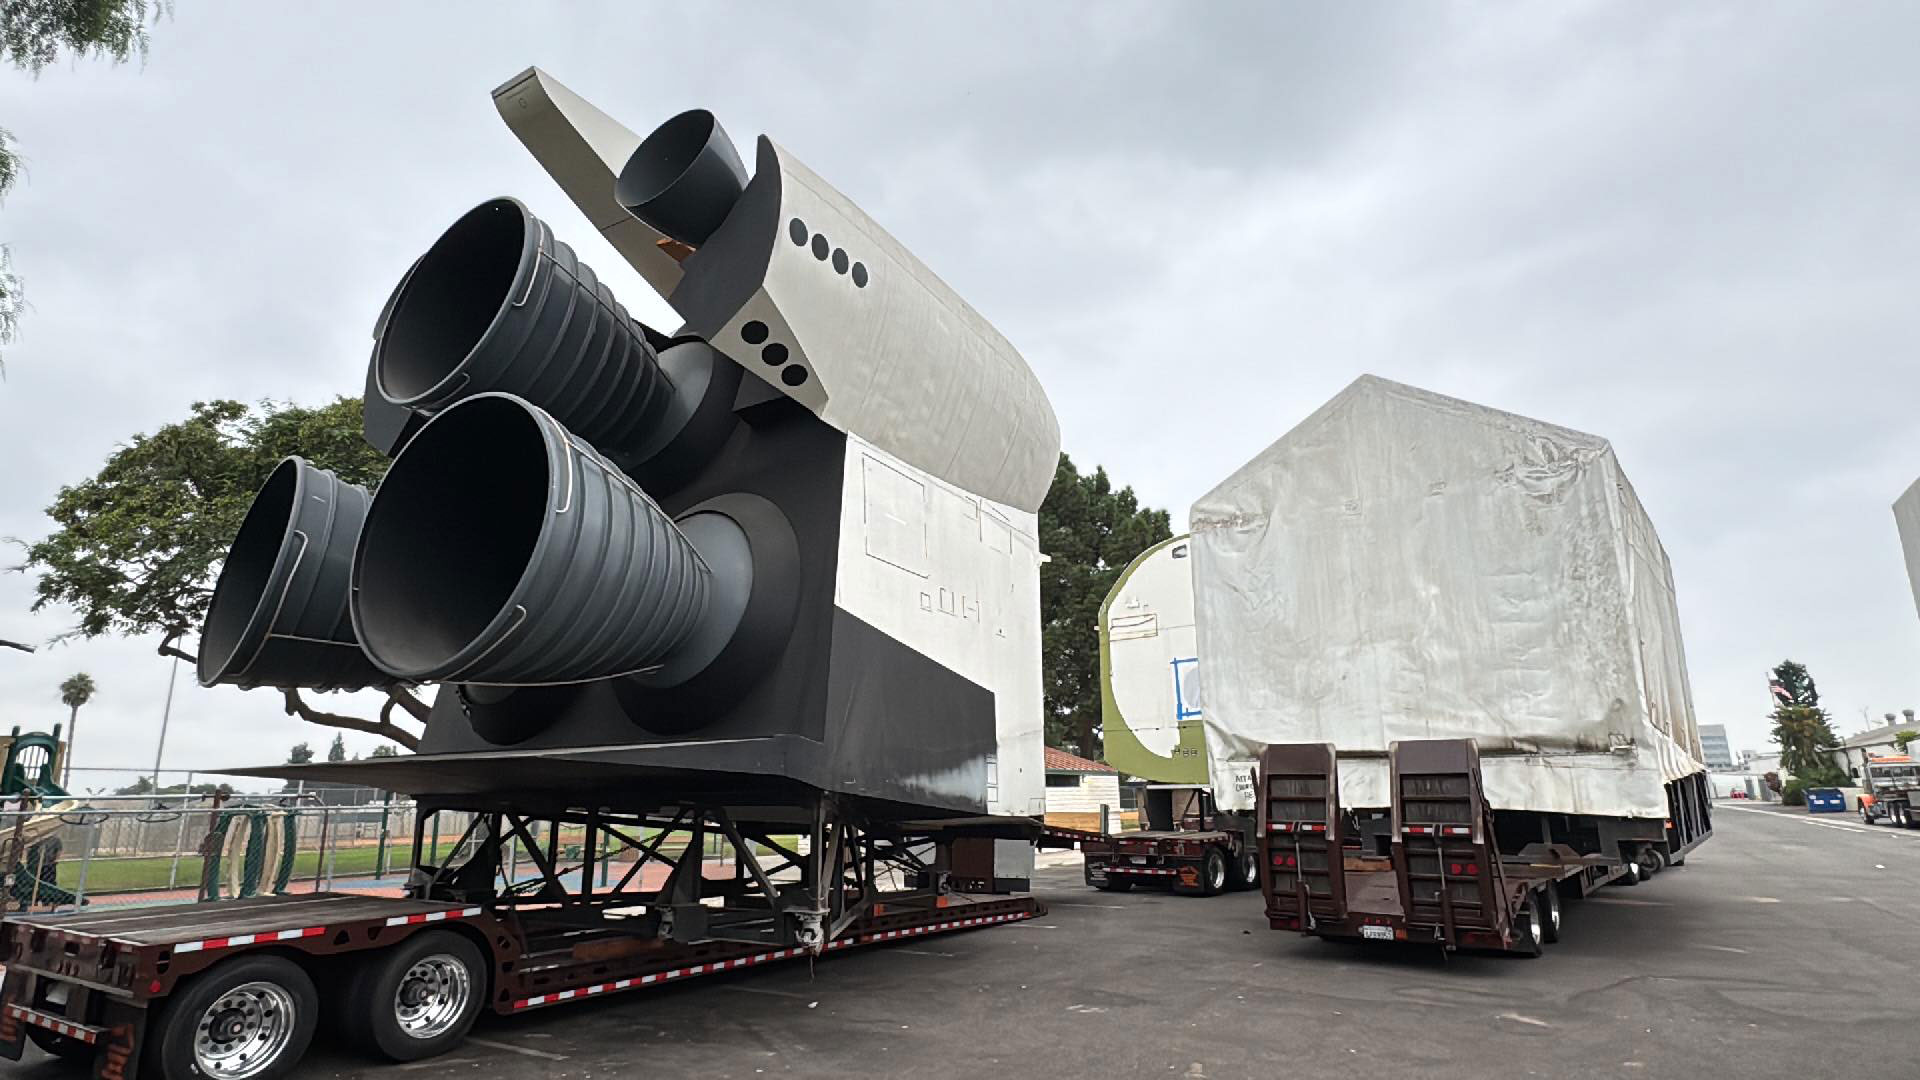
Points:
x=1248, y=875
x=247, y=1000
x=1634, y=874
x=64, y=1047
x=1213, y=875
x=416, y=999
x=1549, y=909
x=1529, y=932
x=1654, y=859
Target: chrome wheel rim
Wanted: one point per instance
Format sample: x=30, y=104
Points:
x=1553, y=912
x=1218, y=878
x=432, y=996
x=244, y=1031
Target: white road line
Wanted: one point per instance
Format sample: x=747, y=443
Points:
x=772, y=993
x=1518, y=1019
x=1723, y=948
x=528, y=1051
x=1869, y=830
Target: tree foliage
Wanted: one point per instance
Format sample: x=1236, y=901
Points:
x=1803, y=729
x=300, y=754
x=1904, y=739
x=337, y=751
x=33, y=33
x=1089, y=532
x=77, y=690
x=137, y=546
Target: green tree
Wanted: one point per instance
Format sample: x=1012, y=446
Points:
x=1903, y=740
x=1803, y=729
x=384, y=750
x=301, y=754
x=338, y=751
x=76, y=691
x=137, y=547
x=1089, y=532
x=33, y=33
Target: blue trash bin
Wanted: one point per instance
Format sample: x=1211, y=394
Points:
x=1826, y=800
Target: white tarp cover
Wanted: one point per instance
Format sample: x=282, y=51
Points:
x=1404, y=565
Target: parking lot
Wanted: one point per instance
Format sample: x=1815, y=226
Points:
x=1757, y=959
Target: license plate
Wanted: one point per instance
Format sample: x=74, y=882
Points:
x=1139, y=860
x=1377, y=933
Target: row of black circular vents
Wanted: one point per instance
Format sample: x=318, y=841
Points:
x=826, y=252
x=772, y=353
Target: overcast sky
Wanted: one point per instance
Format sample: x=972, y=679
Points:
x=1692, y=229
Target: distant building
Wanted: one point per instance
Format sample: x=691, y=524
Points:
x=1714, y=746
x=1078, y=788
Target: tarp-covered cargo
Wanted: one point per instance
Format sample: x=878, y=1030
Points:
x=1404, y=565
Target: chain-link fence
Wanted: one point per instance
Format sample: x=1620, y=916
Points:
x=169, y=849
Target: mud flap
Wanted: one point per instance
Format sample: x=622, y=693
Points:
x=123, y=1030
x=13, y=1030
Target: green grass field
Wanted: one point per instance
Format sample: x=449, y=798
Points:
x=147, y=873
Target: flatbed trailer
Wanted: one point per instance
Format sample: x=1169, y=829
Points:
x=234, y=989
x=1436, y=867
x=1200, y=852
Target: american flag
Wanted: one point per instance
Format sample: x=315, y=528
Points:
x=1779, y=692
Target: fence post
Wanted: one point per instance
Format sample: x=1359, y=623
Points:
x=320, y=853
x=386, y=819
x=179, y=840
x=86, y=860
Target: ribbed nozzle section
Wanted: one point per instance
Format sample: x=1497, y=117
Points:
x=279, y=611
x=498, y=304
x=503, y=549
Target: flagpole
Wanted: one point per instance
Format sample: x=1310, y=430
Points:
x=166, y=712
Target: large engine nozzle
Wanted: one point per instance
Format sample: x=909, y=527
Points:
x=498, y=304
x=684, y=178
x=503, y=550
x=279, y=611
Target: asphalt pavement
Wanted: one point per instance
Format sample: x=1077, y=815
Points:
x=1760, y=958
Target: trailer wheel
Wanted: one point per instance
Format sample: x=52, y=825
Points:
x=248, y=1018
x=1213, y=872
x=1529, y=931
x=1548, y=905
x=417, y=999
x=1249, y=870
x=1653, y=860
x=1866, y=813
x=64, y=1047
x=1634, y=874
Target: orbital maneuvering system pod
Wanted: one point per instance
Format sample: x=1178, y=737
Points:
x=790, y=544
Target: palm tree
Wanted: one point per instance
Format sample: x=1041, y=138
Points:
x=75, y=692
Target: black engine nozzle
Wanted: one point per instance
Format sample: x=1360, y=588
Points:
x=684, y=178
x=279, y=611
x=504, y=550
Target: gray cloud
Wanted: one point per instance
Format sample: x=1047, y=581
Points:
x=1691, y=230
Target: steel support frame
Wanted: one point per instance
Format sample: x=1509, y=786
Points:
x=775, y=894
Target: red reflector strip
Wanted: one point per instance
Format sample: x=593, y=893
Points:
x=1419, y=830
x=1280, y=826
x=247, y=939
x=1317, y=828
x=433, y=916
x=762, y=958
x=1140, y=870
x=1459, y=830
x=85, y=1034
